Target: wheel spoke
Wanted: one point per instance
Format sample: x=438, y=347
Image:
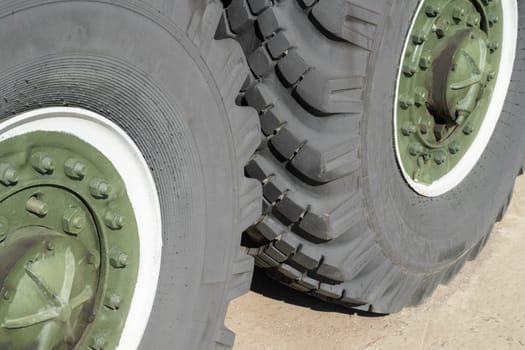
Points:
x=69, y=275
x=47, y=291
x=31, y=320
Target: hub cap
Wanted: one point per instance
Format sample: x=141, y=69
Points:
x=70, y=236
x=457, y=54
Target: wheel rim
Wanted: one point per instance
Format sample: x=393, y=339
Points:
x=77, y=203
x=454, y=74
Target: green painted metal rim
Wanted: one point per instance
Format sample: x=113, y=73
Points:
x=448, y=73
x=69, y=245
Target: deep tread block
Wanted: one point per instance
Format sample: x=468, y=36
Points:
x=261, y=254
x=289, y=209
x=239, y=16
x=330, y=291
x=345, y=20
x=315, y=226
x=254, y=171
x=273, y=190
x=286, y=144
x=257, y=6
x=330, y=274
x=278, y=45
x=292, y=68
x=299, y=287
x=261, y=263
x=267, y=23
x=288, y=244
x=269, y=123
x=275, y=254
x=321, y=168
x=259, y=97
x=260, y=62
x=301, y=258
x=270, y=228
x=289, y=272
x=325, y=96
x=308, y=283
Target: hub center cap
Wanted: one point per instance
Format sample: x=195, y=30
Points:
x=60, y=282
x=457, y=77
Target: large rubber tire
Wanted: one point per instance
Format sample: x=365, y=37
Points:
x=340, y=222
x=154, y=69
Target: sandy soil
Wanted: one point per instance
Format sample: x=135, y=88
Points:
x=482, y=308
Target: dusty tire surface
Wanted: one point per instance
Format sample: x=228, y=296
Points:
x=340, y=222
x=154, y=69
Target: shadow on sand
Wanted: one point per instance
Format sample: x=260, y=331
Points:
x=264, y=285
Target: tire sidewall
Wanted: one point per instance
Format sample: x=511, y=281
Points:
x=140, y=71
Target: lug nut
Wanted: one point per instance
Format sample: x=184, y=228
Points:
x=415, y=148
x=37, y=207
x=493, y=46
x=118, y=259
x=441, y=27
x=99, y=188
x=8, y=175
x=468, y=129
x=419, y=38
x=425, y=61
x=454, y=147
x=4, y=228
x=113, y=301
x=113, y=220
x=409, y=70
x=474, y=20
x=405, y=102
x=440, y=158
x=73, y=221
x=493, y=18
x=43, y=163
x=98, y=343
x=408, y=128
x=432, y=11
x=458, y=13
x=421, y=97
x=75, y=169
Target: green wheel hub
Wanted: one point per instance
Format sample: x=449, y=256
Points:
x=446, y=84
x=69, y=245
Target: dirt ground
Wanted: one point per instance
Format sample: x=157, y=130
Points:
x=482, y=308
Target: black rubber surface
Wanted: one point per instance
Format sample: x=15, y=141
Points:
x=340, y=223
x=154, y=68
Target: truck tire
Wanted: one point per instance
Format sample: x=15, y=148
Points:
x=353, y=211
x=123, y=195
